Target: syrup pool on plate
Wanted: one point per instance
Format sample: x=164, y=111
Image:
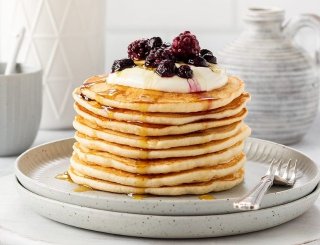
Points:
x=137, y=196
x=206, y=197
x=64, y=176
x=82, y=188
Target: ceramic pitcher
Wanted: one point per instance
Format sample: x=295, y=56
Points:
x=281, y=77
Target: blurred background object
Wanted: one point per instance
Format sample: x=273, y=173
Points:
x=66, y=39
x=20, y=108
x=216, y=23
x=281, y=78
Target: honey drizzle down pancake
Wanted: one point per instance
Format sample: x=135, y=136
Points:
x=159, y=118
x=215, y=185
x=138, y=153
x=156, y=166
x=199, y=174
x=157, y=101
x=145, y=129
x=162, y=142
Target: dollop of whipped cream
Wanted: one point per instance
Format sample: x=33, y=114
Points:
x=204, y=79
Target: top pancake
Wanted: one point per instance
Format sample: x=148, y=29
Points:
x=143, y=100
x=231, y=109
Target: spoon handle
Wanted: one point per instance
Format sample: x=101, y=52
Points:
x=11, y=65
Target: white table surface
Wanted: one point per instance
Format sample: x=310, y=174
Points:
x=20, y=225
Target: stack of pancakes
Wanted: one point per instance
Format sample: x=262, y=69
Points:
x=139, y=141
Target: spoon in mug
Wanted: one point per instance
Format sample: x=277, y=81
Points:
x=11, y=65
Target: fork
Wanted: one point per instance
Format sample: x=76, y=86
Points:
x=274, y=176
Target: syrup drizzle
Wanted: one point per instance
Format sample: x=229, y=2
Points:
x=82, y=188
x=136, y=196
x=66, y=177
x=206, y=197
x=92, y=81
x=85, y=97
x=109, y=110
x=110, y=93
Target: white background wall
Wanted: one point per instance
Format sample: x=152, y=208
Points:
x=215, y=22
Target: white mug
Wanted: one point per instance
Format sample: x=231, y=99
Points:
x=66, y=39
x=20, y=108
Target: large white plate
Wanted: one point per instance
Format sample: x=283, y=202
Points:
x=36, y=170
x=166, y=226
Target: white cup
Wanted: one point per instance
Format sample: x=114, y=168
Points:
x=20, y=108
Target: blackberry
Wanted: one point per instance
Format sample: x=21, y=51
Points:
x=197, y=61
x=185, y=45
x=157, y=55
x=185, y=71
x=154, y=42
x=166, y=68
x=119, y=65
x=138, y=49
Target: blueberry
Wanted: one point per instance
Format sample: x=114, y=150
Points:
x=197, y=61
x=204, y=52
x=185, y=71
x=166, y=68
x=119, y=65
x=210, y=58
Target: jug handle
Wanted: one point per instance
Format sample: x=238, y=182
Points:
x=305, y=20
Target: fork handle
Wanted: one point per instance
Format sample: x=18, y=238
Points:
x=252, y=200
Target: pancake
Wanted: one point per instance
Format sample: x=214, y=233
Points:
x=156, y=101
x=185, y=151
x=154, y=126
x=228, y=110
x=161, y=142
x=215, y=185
x=144, y=129
x=200, y=174
x=156, y=166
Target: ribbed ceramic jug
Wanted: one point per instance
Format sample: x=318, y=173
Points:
x=281, y=77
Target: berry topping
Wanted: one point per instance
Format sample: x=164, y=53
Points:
x=154, y=42
x=119, y=65
x=208, y=56
x=154, y=53
x=185, y=45
x=138, y=50
x=166, y=68
x=157, y=55
x=165, y=45
x=205, y=51
x=197, y=61
x=184, y=71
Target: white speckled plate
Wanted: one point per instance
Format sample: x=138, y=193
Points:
x=36, y=170
x=166, y=226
